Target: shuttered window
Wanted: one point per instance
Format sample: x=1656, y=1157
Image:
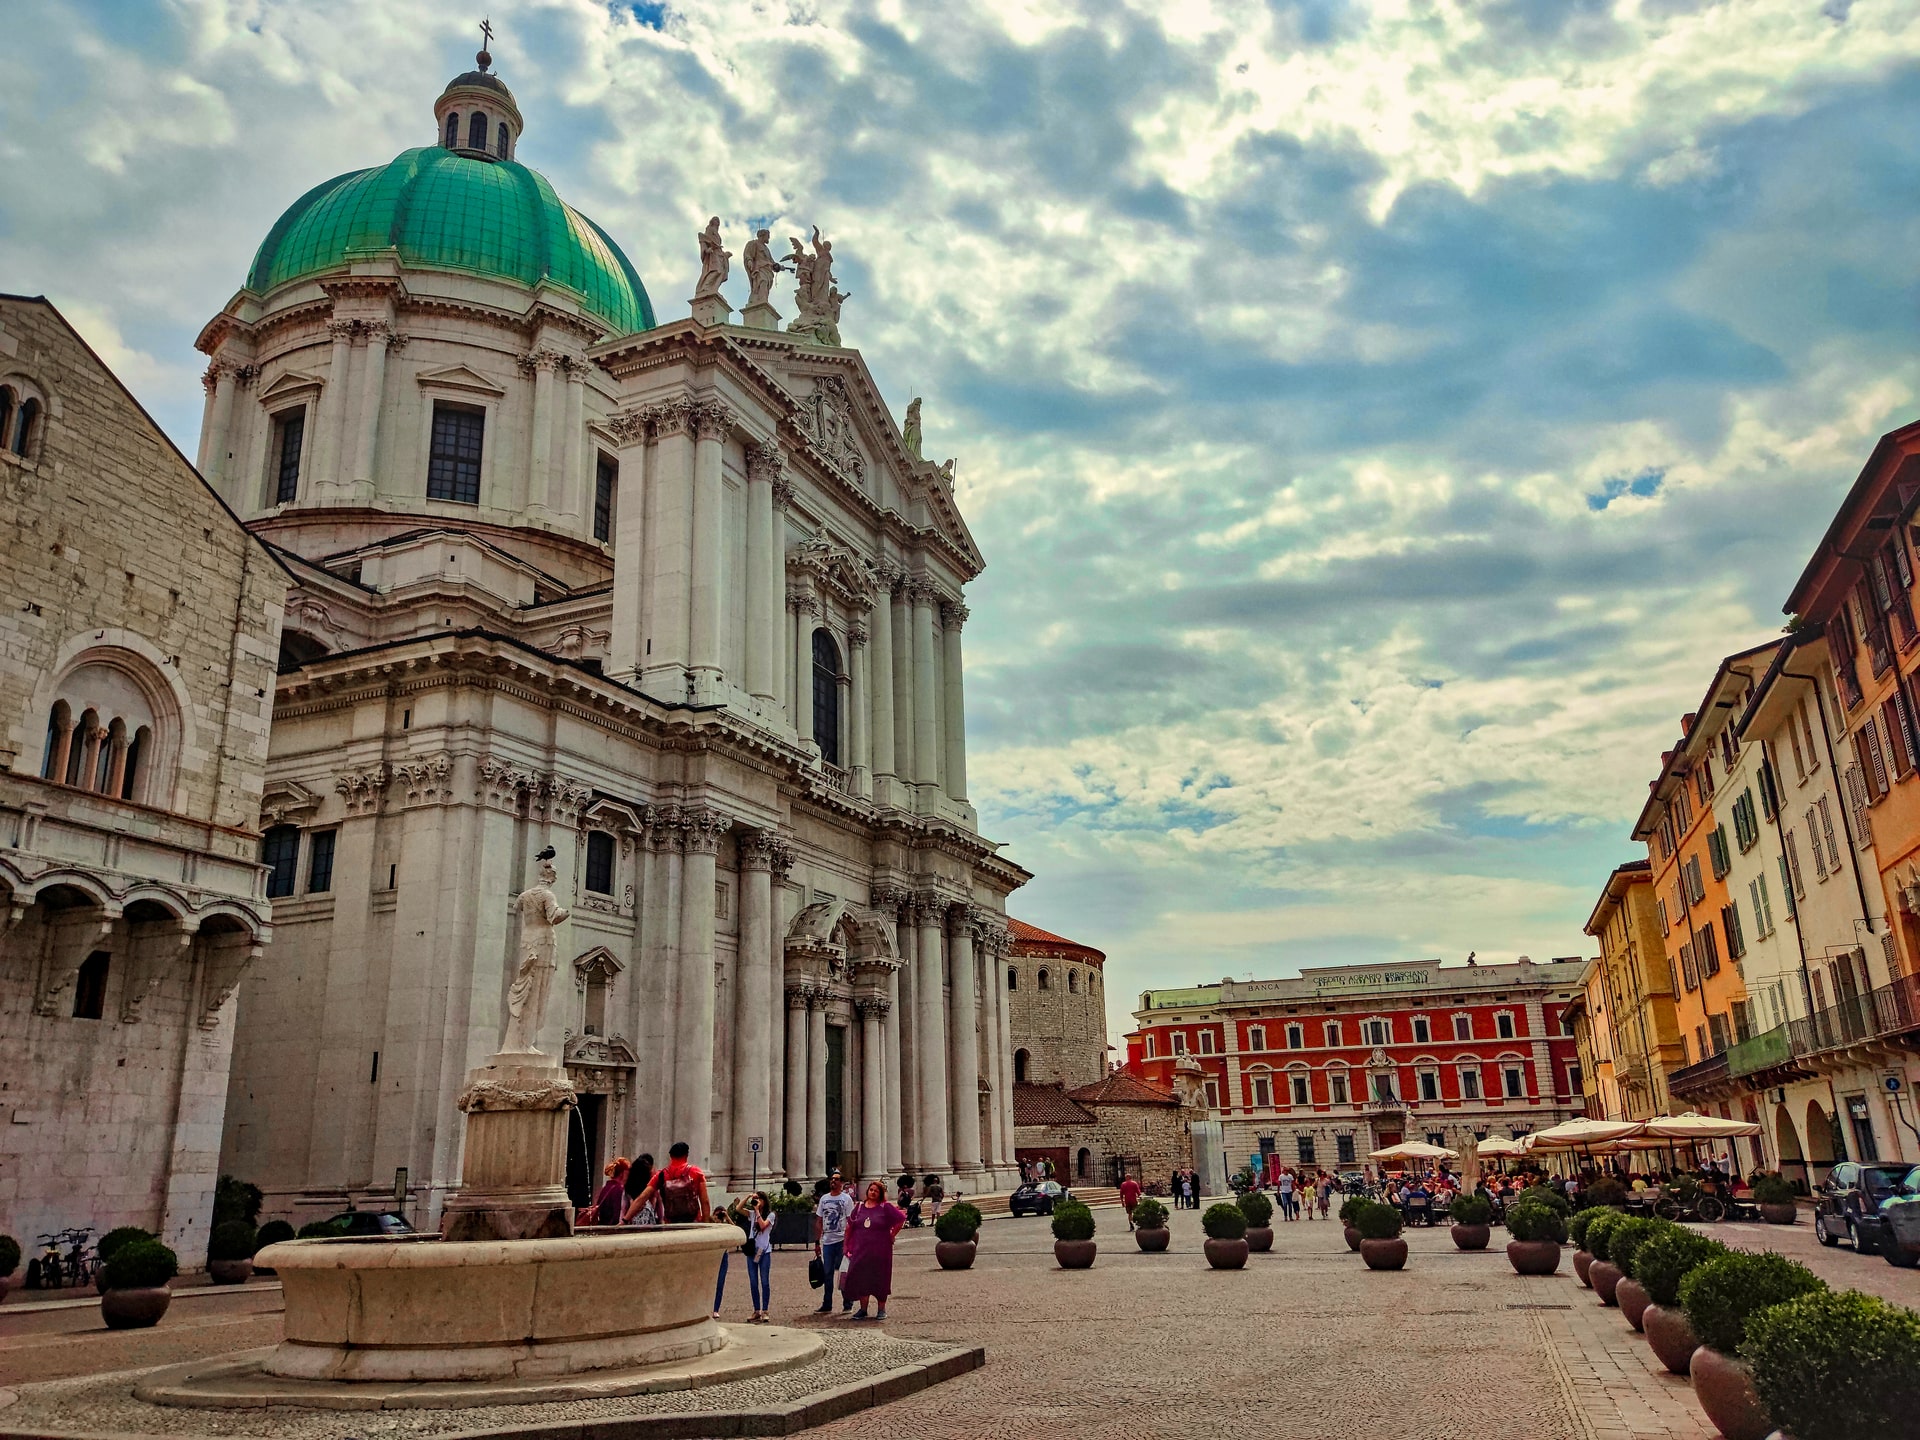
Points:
x=1813, y=836
x=1706, y=949
x=1873, y=760
x=1762, y=908
x=1730, y=922
x=1792, y=863
x=1826, y=831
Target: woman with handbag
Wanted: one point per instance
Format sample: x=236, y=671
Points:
x=871, y=1231
x=759, y=1248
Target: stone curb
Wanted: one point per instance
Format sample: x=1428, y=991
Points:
x=788, y=1419
x=185, y=1292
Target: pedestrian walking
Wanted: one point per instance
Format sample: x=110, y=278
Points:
x=830, y=1214
x=1286, y=1195
x=1129, y=1197
x=871, y=1230
x=680, y=1190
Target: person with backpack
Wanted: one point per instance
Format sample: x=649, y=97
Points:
x=680, y=1190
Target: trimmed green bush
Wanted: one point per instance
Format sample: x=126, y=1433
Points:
x=1600, y=1233
x=272, y=1233
x=232, y=1240
x=794, y=1200
x=1772, y=1188
x=1836, y=1367
x=235, y=1200
x=1256, y=1207
x=1149, y=1214
x=1626, y=1238
x=1378, y=1222
x=1577, y=1226
x=1224, y=1221
x=1546, y=1196
x=141, y=1265
x=1604, y=1191
x=322, y=1230
x=1530, y=1221
x=1720, y=1295
x=9, y=1255
x=1470, y=1210
x=113, y=1240
x=958, y=1223
x=1667, y=1258
x=1350, y=1207
x=1072, y=1221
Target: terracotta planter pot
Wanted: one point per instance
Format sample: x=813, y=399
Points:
x=1582, y=1262
x=1260, y=1238
x=1384, y=1254
x=1724, y=1387
x=1633, y=1299
x=1670, y=1336
x=1153, y=1241
x=1229, y=1254
x=1779, y=1214
x=134, y=1309
x=1353, y=1238
x=3, y=1287
x=1605, y=1277
x=955, y=1254
x=1533, y=1257
x=1472, y=1237
x=229, y=1272
x=1075, y=1254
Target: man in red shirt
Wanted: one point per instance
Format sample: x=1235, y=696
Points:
x=1129, y=1197
x=681, y=1188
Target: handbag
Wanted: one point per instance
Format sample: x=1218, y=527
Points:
x=816, y=1272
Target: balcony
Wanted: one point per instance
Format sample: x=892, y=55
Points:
x=1860, y=1019
x=1703, y=1078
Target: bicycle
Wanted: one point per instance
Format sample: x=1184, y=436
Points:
x=82, y=1262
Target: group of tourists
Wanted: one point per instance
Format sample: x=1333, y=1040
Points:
x=852, y=1238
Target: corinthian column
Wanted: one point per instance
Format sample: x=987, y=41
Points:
x=857, y=708
x=330, y=461
x=903, y=726
x=541, y=364
x=373, y=391
x=627, y=656
x=753, y=996
x=1002, y=948
x=763, y=618
x=891, y=1079
x=666, y=575
x=992, y=996
x=578, y=462
x=931, y=1042
x=215, y=434
x=693, y=1054
x=955, y=615
x=817, y=1083
x=926, y=763
x=873, y=1056
x=881, y=686
x=712, y=421
x=964, y=1045
x=796, y=1121
x=805, y=609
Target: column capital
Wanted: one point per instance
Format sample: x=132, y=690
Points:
x=920, y=590
x=858, y=635
x=664, y=824
x=872, y=1007
x=701, y=830
x=888, y=895
x=954, y=613
x=886, y=574
x=757, y=848
x=803, y=601
x=798, y=996
x=672, y=416
x=765, y=461
x=712, y=419
x=930, y=907
x=536, y=361
x=630, y=427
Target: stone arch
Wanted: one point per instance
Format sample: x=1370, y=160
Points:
x=1819, y=1143
x=116, y=673
x=1786, y=1140
x=1022, y=1060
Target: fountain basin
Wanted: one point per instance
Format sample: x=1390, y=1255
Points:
x=419, y=1308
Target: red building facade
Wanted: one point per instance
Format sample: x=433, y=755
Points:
x=1324, y=1067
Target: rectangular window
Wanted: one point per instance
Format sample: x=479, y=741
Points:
x=1896, y=733
x=1689, y=966
x=1873, y=762
x=1769, y=791
x=1422, y=1030
x=599, y=862
x=1718, y=853
x=1666, y=926
x=1429, y=1085
x=1742, y=1021
x=1333, y=1032
x=1343, y=1150
x=1262, y=1093
x=90, y=986
x=1806, y=734
x=453, y=463
x=1304, y=1143
x=1826, y=831
x=1515, y=1081
x=1149, y=1038
x=1463, y=1027
x=1503, y=1025
x=1696, y=886
x=1179, y=1043
x=606, y=477
x=1703, y=780
x=1717, y=1025
x=1256, y=1038
x=1337, y=1087
x=1296, y=1037
x=1470, y=1083
x=1786, y=889
x=1682, y=813
x=289, y=437
x=1213, y=1094
x=1793, y=742
x=320, y=861
x=1302, y=1092
x=1206, y=1042
x=1377, y=1032
x=1813, y=835
x=1762, y=906
x=1383, y=1087
x=1730, y=922
x=280, y=853
x=1792, y=862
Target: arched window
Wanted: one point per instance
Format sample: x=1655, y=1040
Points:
x=6, y=412
x=23, y=432
x=53, y=764
x=600, y=862
x=477, y=132
x=1073, y=982
x=85, y=750
x=110, y=748
x=1013, y=978
x=90, y=987
x=1020, y=1067
x=826, y=696
x=1083, y=1164
x=500, y=141
x=1042, y=979
x=453, y=131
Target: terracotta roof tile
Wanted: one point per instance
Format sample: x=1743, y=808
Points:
x=1122, y=1089
x=1032, y=940
x=1047, y=1105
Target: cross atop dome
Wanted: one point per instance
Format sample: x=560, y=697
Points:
x=475, y=115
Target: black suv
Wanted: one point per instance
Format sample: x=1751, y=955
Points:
x=1847, y=1204
x=1036, y=1198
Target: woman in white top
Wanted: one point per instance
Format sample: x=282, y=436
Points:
x=760, y=1255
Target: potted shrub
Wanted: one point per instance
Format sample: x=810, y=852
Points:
x=136, y=1293
x=1348, y=1209
x=230, y=1252
x=1659, y=1265
x=1836, y=1367
x=1380, y=1243
x=1545, y=1195
x=1150, y=1231
x=1719, y=1297
x=9, y=1261
x=955, y=1246
x=110, y=1245
x=274, y=1232
x=1226, y=1226
x=1073, y=1245
x=1472, y=1217
x=1603, y=1275
x=1605, y=1191
x=792, y=1217
x=1623, y=1240
x=1538, y=1232
x=1577, y=1232
x=1259, y=1212
x=1774, y=1196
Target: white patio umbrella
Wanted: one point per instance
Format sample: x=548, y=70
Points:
x=1694, y=1126
x=1500, y=1145
x=1580, y=1134
x=1412, y=1150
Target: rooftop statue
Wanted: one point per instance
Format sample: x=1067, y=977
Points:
x=818, y=298
x=761, y=268
x=910, y=432
x=713, y=261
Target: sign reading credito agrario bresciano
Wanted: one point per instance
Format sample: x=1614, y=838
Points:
x=1347, y=981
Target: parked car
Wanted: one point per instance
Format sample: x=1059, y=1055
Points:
x=1847, y=1204
x=1036, y=1198
x=370, y=1222
x=1900, y=1217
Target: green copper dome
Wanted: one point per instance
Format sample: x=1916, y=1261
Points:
x=443, y=211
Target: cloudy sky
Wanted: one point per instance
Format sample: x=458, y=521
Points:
x=1378, y=418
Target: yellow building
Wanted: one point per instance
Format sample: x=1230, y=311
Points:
x=1592, y=1028
x=1632, y=999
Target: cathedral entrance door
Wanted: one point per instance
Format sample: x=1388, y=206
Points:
x=836, y=1094
x=583, y=1150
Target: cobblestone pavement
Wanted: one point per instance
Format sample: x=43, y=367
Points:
x=1305, y=1342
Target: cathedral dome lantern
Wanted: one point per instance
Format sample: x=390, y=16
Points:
x=475, y=115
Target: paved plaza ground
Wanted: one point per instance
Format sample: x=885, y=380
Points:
x=1305, y=1342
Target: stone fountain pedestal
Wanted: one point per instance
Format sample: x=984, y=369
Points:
x=518, y=1106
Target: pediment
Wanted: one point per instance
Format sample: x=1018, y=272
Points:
x=815, y=924
x=294, y=382
x=598, y=960
x=459, y=377
x=285, y=800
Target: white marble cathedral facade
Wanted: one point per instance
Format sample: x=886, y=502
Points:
x=675, y=599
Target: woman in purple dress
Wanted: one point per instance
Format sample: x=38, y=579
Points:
x=870, y=1235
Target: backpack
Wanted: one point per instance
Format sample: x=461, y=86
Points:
x=680, y=1196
